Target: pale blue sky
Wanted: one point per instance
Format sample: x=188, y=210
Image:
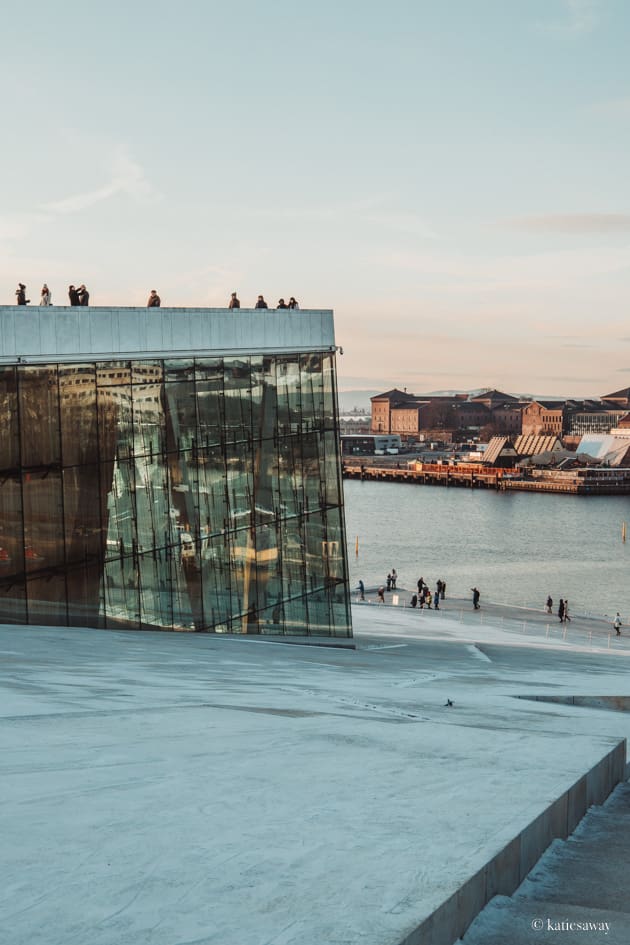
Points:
x=451, y=177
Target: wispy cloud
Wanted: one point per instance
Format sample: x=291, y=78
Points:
x=576, y=223
x=615, y=107
x=576, y=17
x=373, y=211
x=128, y=177
x=511, y=272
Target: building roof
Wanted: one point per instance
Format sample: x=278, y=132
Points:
x=620, y=396
x=547, y=404
x=497, y=446
x=530, y=444
x=494, y=398
x=395, y=396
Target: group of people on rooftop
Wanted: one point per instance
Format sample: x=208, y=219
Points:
x=260, y=302
x=81, y=296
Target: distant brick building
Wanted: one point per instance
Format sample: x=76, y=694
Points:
x=543, y=417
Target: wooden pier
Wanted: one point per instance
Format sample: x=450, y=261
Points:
x=591, y=481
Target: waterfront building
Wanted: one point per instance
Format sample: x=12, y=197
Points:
x=171, y=469
x=543, y=417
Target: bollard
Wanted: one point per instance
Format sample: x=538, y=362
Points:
x=395, y=600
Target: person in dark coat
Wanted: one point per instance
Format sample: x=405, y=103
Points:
x=84, y=295
x=260, y=303
x=436, y=596
x=476, y=596
x=414, y=600
x=73, y=295
x=281, y=304
x=361, y=590
x=549, y=604
x=561, y=611
x=389, y=582
x=20, y=294
x=154, y=300
x=234, y=301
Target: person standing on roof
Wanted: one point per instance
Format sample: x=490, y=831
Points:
x=234, y=301
x=154, y=300
x=260, y=303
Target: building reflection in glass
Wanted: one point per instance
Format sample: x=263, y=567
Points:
x=180, y=494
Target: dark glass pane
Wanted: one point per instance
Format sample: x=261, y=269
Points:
x=9, y=427
x=38, y=393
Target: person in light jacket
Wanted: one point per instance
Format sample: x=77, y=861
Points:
x=46, y=297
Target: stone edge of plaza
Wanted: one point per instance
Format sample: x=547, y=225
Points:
x=173, y=469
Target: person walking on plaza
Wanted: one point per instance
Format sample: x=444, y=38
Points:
x=436, y=596
x=73, y=295
x=414, y=600
x=154, y=300
x=20, y=294
x=389, y=582
x=443, y=589
x=45, y=297
x=617, y=624
x=381, y=594
x=567, y=619
x=84, y=295
x=394, y=579
x=476, y=596
x=561, y=611
x=260, y=303
x=361, y=590
x=234, y=301
x=549, y=604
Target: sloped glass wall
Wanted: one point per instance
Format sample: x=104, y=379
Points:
x=180, y=494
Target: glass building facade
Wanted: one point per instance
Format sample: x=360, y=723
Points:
x=184, y=493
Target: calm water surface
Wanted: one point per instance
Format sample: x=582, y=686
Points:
x=516, y=547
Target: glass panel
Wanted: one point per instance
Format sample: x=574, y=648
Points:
x=9, y=416
x=39, y=416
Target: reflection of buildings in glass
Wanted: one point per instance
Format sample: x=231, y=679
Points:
x=180, y=493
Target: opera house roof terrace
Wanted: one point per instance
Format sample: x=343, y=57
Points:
x=222, y=791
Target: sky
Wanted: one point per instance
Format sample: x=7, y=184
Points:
x=450, y=177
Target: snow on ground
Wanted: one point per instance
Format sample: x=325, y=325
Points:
x=172, y=789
